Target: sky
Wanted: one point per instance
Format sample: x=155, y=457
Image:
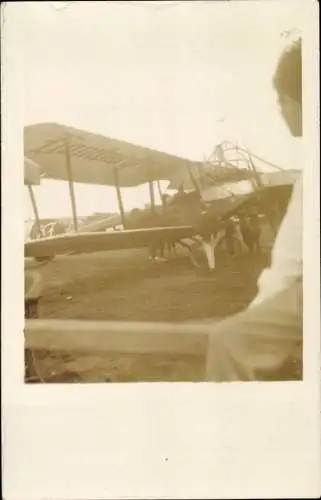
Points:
x=179, y=77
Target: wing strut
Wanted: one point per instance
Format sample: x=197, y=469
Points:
x=151, y=192
x=119, y=198
x=35, y=208
x=71, y=187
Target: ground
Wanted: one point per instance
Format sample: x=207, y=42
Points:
x=127, y=286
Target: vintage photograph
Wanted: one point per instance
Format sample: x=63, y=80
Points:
x=163, y=200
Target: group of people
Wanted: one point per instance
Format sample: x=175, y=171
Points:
x=237, y=234
x=243, y=231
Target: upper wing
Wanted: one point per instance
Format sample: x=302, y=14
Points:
x=96, y=159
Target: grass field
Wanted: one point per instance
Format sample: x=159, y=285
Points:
x=126, y=286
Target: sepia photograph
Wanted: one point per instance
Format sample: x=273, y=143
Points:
x=160, y=249
x=163, y=193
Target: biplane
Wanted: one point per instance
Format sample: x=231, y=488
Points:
x=55, y=151
x=69, y=154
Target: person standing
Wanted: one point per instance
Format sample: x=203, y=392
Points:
x=238, y=235
x=230, y=235
x=207, y=227
x=255, y=231
x=246, y=232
